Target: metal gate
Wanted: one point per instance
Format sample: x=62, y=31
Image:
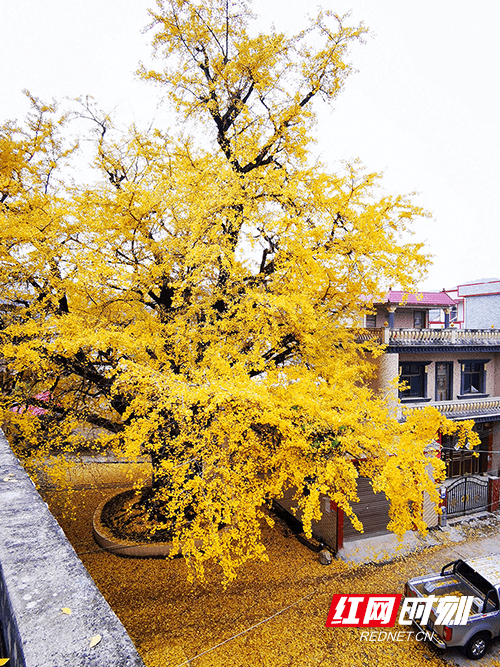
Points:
x=466, y=495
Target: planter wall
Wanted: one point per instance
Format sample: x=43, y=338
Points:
x=39, y=575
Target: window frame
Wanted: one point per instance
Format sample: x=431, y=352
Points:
x=422, y=397
x=482, y=378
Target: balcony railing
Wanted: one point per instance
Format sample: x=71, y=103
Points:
x=434, y=337
x=365, y=335
x=444, y=337
x=467, y=407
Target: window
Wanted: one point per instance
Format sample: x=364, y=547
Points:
x=463, y=461
x=435, y=315
x=473, y=377
x=414, y=376
x=371, y=321
x=491, y=603
x=459, y=462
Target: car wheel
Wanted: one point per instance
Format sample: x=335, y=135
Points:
x=476, y=646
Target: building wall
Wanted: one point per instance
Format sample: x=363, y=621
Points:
x=429, y=511
x=381, y=317
x=482, y=312
x=403, y=317
x=492, y=376
x=494, y=457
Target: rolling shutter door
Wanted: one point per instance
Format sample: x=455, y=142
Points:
x=372, y=510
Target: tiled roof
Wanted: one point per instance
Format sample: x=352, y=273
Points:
x=438, y=299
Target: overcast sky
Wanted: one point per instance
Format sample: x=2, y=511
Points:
x=424, y=107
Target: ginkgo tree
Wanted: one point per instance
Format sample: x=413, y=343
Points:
x=199, y=302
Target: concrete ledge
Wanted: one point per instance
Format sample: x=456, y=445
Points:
x=39, y=575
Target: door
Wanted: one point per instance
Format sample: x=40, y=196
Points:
x=444, y=373
x=419, y=319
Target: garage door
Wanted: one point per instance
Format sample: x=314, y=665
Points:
x=372, y=510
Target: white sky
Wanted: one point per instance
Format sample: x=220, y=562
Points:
x=424, y=107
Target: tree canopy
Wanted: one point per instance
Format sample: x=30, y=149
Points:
x=200, y=302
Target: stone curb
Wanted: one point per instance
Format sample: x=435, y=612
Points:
x=124, y=547
x=127, y=548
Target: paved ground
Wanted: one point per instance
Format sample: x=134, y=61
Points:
x=384, y=548
x=274, y=614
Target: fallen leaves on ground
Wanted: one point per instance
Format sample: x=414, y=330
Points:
x=171, y=621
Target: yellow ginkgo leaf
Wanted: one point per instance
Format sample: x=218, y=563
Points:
x=3, y=661
x=66, y=610
x=95, y=640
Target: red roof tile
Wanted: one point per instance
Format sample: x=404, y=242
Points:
x=437, y=299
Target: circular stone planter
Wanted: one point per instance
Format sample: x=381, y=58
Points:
x=106, y=540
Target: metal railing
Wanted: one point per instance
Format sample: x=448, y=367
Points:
x=466, y=495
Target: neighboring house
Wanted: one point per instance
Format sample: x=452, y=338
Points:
x=455, y=370
x=477, y=304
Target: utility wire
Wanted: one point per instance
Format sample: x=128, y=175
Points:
x=243, y=632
